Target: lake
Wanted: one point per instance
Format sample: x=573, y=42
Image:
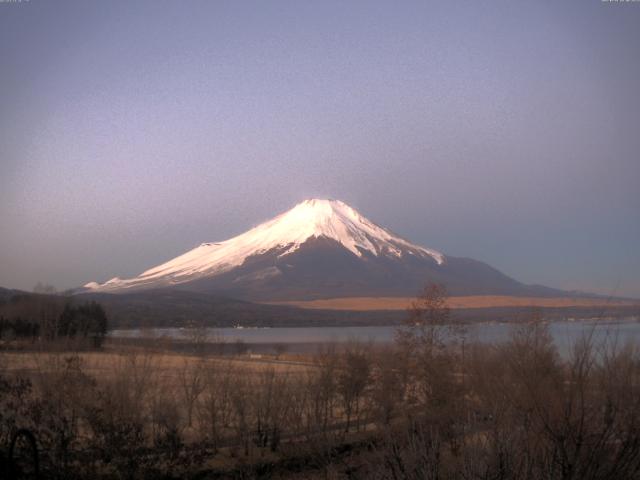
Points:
x=564, y=333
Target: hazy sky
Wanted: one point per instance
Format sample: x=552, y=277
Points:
x=504, y=131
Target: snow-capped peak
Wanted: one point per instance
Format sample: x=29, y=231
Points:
x=340, y=222
x=313, y=218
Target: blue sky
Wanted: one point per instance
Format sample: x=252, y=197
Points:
x=502, y=131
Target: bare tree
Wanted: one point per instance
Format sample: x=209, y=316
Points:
x=426, y=321
x=424, y=338
x=279, y=349
x=197, y=334
x=271, y=403
x=192, y=384
x=322, y=389
x=389, y=379
x=241, y=392
x=165, y=422
x=353, y=379
x=240, y=347
x=215, y=407
x=44, y=288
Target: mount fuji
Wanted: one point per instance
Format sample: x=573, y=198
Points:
x=319, y=249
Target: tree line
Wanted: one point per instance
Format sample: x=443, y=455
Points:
x=50, y=318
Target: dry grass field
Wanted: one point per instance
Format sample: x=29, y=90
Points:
x=473, y=301
x=148, y=411
x=106, y=364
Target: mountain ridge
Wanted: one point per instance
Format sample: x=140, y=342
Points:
x=320, y=249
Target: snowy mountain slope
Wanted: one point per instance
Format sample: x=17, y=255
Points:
x=311, y=219
x=319, y=249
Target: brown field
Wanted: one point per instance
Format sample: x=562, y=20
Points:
x=108, y=363
x=472, y=301
x=148, y=411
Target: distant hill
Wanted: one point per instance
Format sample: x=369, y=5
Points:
x=175, y=308
x=6, y=294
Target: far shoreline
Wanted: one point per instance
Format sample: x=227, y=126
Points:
x=363, y=304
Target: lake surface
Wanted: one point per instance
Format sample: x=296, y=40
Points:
x=564, y=333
